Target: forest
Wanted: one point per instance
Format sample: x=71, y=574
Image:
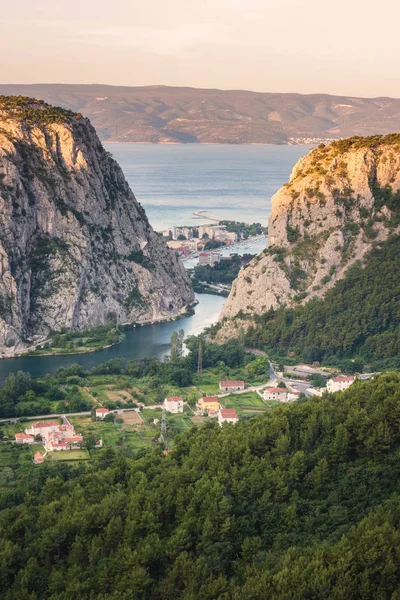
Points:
x=359, y=318
x=302, y=502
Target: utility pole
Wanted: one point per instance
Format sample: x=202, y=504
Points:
x=163, y=432
x=200, y=359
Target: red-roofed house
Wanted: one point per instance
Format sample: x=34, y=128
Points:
x=208, y=404
x=231, y=386
x=275, y=393
x=340, y=383
x=38, y=458
x=227, y=415
x=174, y=404
x=43, y=428
x=101, y=413
x=23, y=438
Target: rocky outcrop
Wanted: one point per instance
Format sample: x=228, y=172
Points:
x=340, y=200
x=76, y=248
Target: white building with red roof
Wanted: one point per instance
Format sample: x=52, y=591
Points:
x=275, y=393
x=101, y=413
x=227, y=415
x=24, y=438
x=174, y=404
x=230, y=385
x=340, y=383
x=43, y=428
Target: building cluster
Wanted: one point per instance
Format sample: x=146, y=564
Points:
x=209, y=258
x=55, y=437
x=182, y=240
x=210, y=405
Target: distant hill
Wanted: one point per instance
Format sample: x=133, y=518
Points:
x=159, y=114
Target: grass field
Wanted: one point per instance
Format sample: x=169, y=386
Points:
x=68, y=455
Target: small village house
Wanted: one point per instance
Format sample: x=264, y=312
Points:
x=208, y=404
x=275, y=393
x=38, y=458
x=292, y=395
x=340, y=383
x=101, y=413
x=174, y=404
x=227, y=415
x=231, y=386
x=24, y=438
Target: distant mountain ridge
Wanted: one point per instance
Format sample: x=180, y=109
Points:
x=162, y=114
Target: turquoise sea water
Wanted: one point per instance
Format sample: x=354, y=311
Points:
x=232, y=182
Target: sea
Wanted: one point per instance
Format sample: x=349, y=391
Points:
x=234, y=182
x=171, y=182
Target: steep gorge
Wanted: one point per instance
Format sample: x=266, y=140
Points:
x=341, y=200
x=76, y=248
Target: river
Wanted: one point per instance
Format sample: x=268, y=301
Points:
x=139, y=342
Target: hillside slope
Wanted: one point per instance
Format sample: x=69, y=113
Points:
x=341, y=200
x=76, y=247
x=161, y=114
x=302, y=502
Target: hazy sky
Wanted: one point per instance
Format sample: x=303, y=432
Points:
x=340, y=47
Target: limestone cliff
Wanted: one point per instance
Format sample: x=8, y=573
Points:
x=339, y=201
x=76, y=248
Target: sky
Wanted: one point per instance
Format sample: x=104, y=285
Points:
x=346, y=47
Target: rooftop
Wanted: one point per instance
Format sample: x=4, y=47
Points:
x=340, y=378
x=23, y=436
x=231, y=383
x=102, y=410
x=210, y=399
x=41, y=424
x=228, y=413
x=276, y=390
x=174, y=399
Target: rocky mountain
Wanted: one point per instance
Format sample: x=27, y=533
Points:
x=160, y=114
x=76, y=248
x=341, y=201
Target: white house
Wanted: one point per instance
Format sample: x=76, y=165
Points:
x=274, y=393
x=231, y=386
x=292, y=396
x=23, y=438
x=101, y=413
x=227, y=415
x=340, y=383
x=174, y=404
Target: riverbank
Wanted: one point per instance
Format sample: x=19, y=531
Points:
x=44, y=346
x=140, y=342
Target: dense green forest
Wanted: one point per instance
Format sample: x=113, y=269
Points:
x=302, y=502
x=358, y=318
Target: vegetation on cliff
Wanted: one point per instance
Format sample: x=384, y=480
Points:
x=302, y=502
x=34, y=112
x=358, y=318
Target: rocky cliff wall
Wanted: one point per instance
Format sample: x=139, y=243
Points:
x=339, y=201
x=76, y=248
